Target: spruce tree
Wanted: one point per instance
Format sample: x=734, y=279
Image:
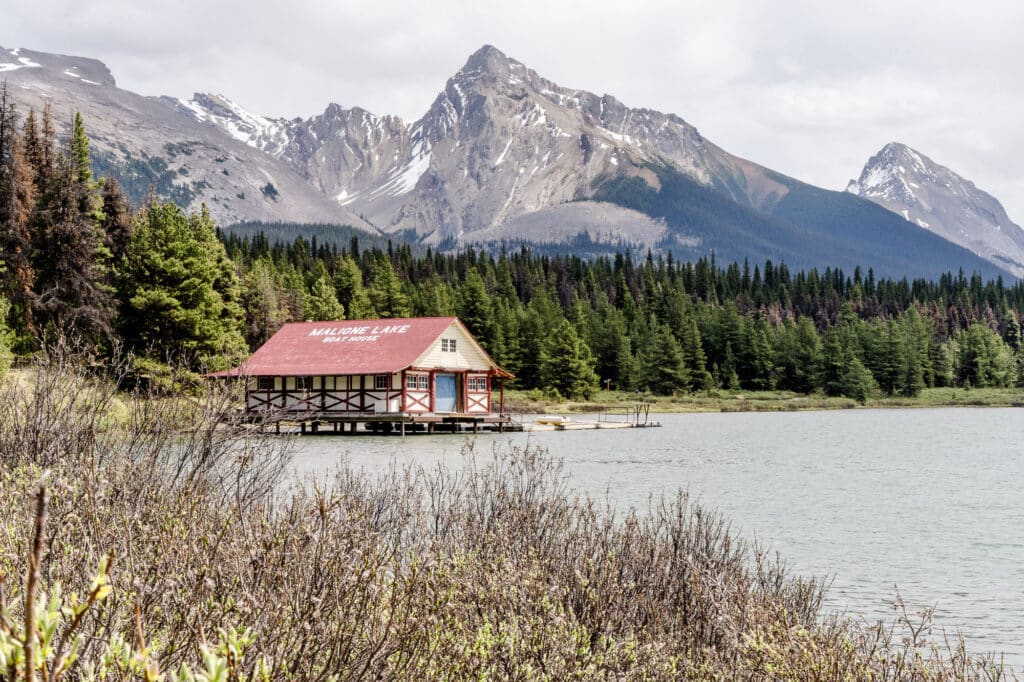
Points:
x=73, y=296
x=386, y=291
x=567, y=365
x=798, y=356
x=664, y=370
x=694, y=357
x=474, y=308
x=263, y=299
x=348, y=282
x=322, y=301
x=116, y=222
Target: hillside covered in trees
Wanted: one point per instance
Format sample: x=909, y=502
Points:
x=79, y=262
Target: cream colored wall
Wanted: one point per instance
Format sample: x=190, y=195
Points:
x=465, y=357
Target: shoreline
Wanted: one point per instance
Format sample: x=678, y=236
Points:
x=531, y=402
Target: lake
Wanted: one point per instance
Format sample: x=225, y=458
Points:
x=928, y=501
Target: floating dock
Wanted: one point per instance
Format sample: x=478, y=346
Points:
x=550, y=425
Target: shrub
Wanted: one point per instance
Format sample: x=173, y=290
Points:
x=497, y=569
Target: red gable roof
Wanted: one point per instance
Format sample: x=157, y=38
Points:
x=345, y=347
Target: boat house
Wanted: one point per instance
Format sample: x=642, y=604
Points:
x=383, y=374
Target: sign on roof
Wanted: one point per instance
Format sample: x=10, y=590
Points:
x=358, y=334
x=350, y=347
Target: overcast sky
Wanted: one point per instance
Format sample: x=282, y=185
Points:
x=807, y=87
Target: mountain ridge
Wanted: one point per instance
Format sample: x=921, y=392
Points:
x=502, y=155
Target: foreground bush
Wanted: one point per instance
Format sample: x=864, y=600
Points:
x=495, y=570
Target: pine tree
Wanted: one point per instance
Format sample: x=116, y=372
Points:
x=798, y=356
x=664, y=370
x=322, y=301
x=693, y=356
x=263, y=299
x=386, y=291
x=180, y=292
x=567, y=365
x=474, y=308
x=116, y=222
x=348, y=282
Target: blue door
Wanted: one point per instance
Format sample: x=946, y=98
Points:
x=445, y=394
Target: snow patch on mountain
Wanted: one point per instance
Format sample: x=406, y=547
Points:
x=21, y=63
x=935, y=198
x=251, y=129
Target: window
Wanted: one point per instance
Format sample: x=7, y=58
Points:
x=417, y=382
x=380, y=381
x=448, y=345
x=265, y=383
x=478, y=384
x=304, y=383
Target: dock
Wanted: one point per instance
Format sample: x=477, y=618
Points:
x=634, y=417
x=371, y=424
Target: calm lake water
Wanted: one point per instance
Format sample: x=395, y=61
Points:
x=927, y=501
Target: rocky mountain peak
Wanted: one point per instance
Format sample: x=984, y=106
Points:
x=487, y=61
x=932, y=196
x=890, y=174
x=81, y=70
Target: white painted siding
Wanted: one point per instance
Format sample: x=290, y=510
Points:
x=465, y=357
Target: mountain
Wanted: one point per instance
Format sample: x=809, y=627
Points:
x=909, y=183
x=497, y=144
x=501, y=156
x=158, y=141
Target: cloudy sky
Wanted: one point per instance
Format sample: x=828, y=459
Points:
x=806, y=87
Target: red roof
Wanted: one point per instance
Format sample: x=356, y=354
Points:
x=345, y=347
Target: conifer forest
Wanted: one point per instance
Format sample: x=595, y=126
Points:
x=80, y=263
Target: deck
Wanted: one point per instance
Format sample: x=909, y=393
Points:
x=376, y=423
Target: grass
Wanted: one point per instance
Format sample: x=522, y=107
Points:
x=535, y=402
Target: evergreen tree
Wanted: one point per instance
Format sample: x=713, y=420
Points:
x=17, y=202
x=474, y=308
x=798, y=356
x=322, y=301
x=567, y=365
x=843, y=373
x=664, y=371
x=348, y=282
x=263, y=299
x=728, y=377
x=984, y=360
x=180, y=291
x=72, y=294
x=116, y=221
x=694, y=359
x=385, y=291
x=435, y=298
